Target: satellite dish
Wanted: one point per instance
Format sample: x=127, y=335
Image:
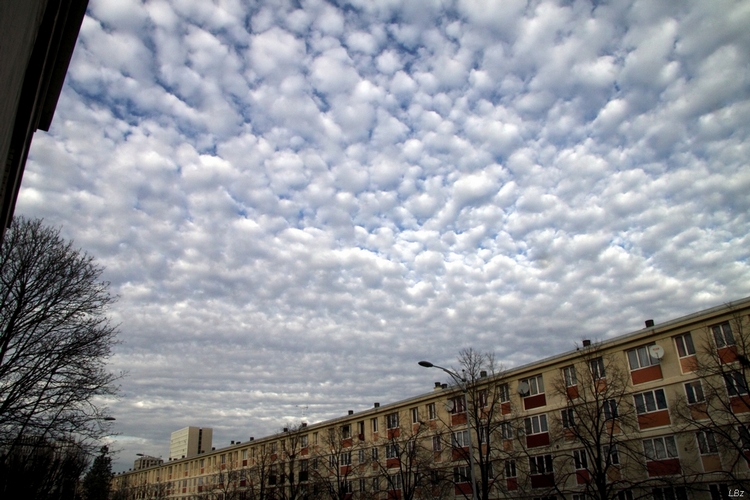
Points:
x=523, y=388
x=656, y=351
x=450, y=406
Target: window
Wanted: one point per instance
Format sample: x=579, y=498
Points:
x=376, y=484
x=303, y=441
x=744, y=433
x=374, y=454
x=484, y=434
x=506, y=430
x=536, y=385
x=510, y=468
x=461, y=474
x=331, y=461
x=391, y=450
x=669, y=493
x=723, y=335
x=569, y=376
x=314, y=464
x=315, y=438
x=568, y=418
x=415, y=415
x=649, y=401
x=460, y=439
x=719, y=491
x=361, y=456
x=346, y=431
x=362, y=484
x=503, y=392
x=736, y=383
x=541, y=464
x=610, y=409
x=694, y=392
x=684, y=345
x=431, y=411
x=345, y=458
x=482, y=396
x=347, y=487
x=580, y=460
x=374, y=424
x=223, y=459
x=660, y=448
x=640, y=357
x=536, y=424
x=707, y=442
x=361, y=429
x=394, y=481
x=244, y=456
x=457, y=404
x=612, y=455
x=437, y=443
x=597, y=368
x=391, y=421
x=274, y=445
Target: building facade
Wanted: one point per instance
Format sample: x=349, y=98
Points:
x=659, y=413
x=146, y=461
x=189, y=442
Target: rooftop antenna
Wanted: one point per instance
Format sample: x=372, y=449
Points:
x=303, y=411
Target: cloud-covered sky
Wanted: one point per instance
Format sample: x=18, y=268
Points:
x=296, y=201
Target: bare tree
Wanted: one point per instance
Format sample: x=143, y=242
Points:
x=55, y=338
x=715, y=407
x=333, y=472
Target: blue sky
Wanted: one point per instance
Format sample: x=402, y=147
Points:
x=297, y=201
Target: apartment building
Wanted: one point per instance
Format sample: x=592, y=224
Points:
x=662, y=413
x=189, y=442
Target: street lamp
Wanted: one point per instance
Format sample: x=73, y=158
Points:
x=463, y=384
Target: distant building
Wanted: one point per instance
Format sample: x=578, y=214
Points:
x=146, y=461
x=189, y=442
x=38, y=37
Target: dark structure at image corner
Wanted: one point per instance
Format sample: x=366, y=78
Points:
x=38, y=38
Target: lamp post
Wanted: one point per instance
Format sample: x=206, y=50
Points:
x=463, y=384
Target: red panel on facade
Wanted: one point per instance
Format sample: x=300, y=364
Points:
x=512, y=483
x=534, y=401
x=535, y=440
x=728, y=354
x=583, y=476
x=669, y=467
x=740, y=404
x=460, y=453
x=542, y=480
x=347, y=443
x=647, y=374
x=458, y=418
x=394, y=433
x=688, y=364
x=392, y=463
x=572, y=392
x=463, y=489
x=505, y=408
x=654, y=419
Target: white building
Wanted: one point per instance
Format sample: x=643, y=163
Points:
x=189, y=442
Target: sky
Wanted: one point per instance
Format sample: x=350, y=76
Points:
x=296, y=201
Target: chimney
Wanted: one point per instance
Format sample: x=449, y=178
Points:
x=286, y=429
x=649, y=323
x=252, y=438
x=586, y=343
x=304, y=424
x=438, y=386
x=444, y=386
x=377, y=405
x=232, y=442
x=351, y=412
x=483, y=374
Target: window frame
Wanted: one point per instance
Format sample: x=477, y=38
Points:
x=541, y=424
x=567, y=418
x=392, y=421
x=547, y=465
x=726, y=335
x=437, y=443
x=694, y=396
x=707, y=444
x=506, y=430
x=610, y=409
x=656, y=401
x=503, y=392
x=569, y=376
x=431, y=411
x=665, y=447
x=636, y=351
x=536, y=385
x=736, y=384
x=598, y=371
x=374, y=424
x=580, y=459
x=684, y=344
x=464, y=434
x=414, y=415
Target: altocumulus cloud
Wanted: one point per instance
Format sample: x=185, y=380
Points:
x=296, y=201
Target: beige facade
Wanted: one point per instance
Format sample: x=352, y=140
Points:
x=190, y=442
x=660, y=413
